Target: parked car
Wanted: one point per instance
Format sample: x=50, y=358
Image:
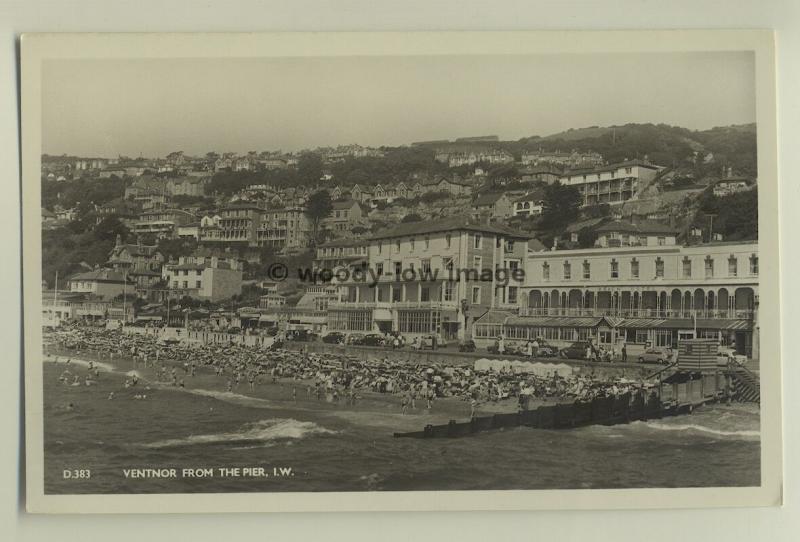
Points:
x=373, y=339
x=466, y=346
x=355, y=339
x=546, y=351
x=727, y=355
x=576, y=350
x=272, y=331
x=334, y=337
x=300, y=335
x=655, y=355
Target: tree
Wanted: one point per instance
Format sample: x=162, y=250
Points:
x=586, y=237
x=561, y=206
x=411, y=217
x=109, y=228
x=318, y=207
x=600, y=210
x=309, y=168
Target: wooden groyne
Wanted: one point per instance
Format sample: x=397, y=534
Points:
x=680, y=394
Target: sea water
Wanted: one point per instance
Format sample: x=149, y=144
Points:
x=202, y=431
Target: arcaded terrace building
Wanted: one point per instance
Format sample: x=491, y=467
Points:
x=639, y=295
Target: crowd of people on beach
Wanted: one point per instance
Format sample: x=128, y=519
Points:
x=329, y=377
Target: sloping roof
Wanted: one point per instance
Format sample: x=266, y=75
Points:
x=494, y=317
x=135, y=250
x=641, y=227
x=555, y=321
x=684, y=323
x=100, y=275
x=610, y=167
x=344, y=243
x=536, y=245
x=588, y=223
x=343, y=204
x=456, y=223
x=488, y=199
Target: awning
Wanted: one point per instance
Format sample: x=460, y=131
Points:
x=641, y=323
x=684, y=323
x=382, y=315
x=554, y=321
x=494, y=317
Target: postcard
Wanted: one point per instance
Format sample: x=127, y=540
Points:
x=400, y=271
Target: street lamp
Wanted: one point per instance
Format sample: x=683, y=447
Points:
x=465, y=310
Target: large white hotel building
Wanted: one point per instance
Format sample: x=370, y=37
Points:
x=637, y=290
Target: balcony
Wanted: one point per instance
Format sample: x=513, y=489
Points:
x=639, y=313
x=449, y=305
x=404, y=305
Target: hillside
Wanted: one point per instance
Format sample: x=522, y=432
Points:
x=730, y=146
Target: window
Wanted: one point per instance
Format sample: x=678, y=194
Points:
x=733, y=266
x=413, y=242
x=427, y=242
x=185, y=283
x=634, y=268
x=476, y=295
x=587, y=270
x=662, y=241
x=512, y=295
x=448, y=291
x=426, y=266
x=398, y=269
x=567, y=271
x=174, y=283
x=709, y=267
x=197, y=284
x=614, y=269
x=509, y=246
x=397, y=246
x=687, y=268
x=753, y=264
x=380, y=247
x=477, y=263
x=397, y=294
x=513, y=264
x=477, y=240
x=659, y=268
x=199, y=272
x=448, y=239
x=379, y=269
x=378, y=295
x=448, y=263
x=425, y=294
x=545, y=271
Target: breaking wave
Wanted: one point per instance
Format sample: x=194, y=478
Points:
x=262, y=431
x=748, y=434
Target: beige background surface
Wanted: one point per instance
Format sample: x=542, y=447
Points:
x=710, y=524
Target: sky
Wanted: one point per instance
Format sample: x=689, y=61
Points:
x=150, y=107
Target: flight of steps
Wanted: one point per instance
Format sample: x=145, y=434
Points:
x=746, y=385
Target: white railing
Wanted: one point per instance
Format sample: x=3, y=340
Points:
x=739, y=314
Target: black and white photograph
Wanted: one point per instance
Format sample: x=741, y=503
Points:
x=380, y=273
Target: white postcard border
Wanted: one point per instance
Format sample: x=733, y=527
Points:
x=37, y=48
